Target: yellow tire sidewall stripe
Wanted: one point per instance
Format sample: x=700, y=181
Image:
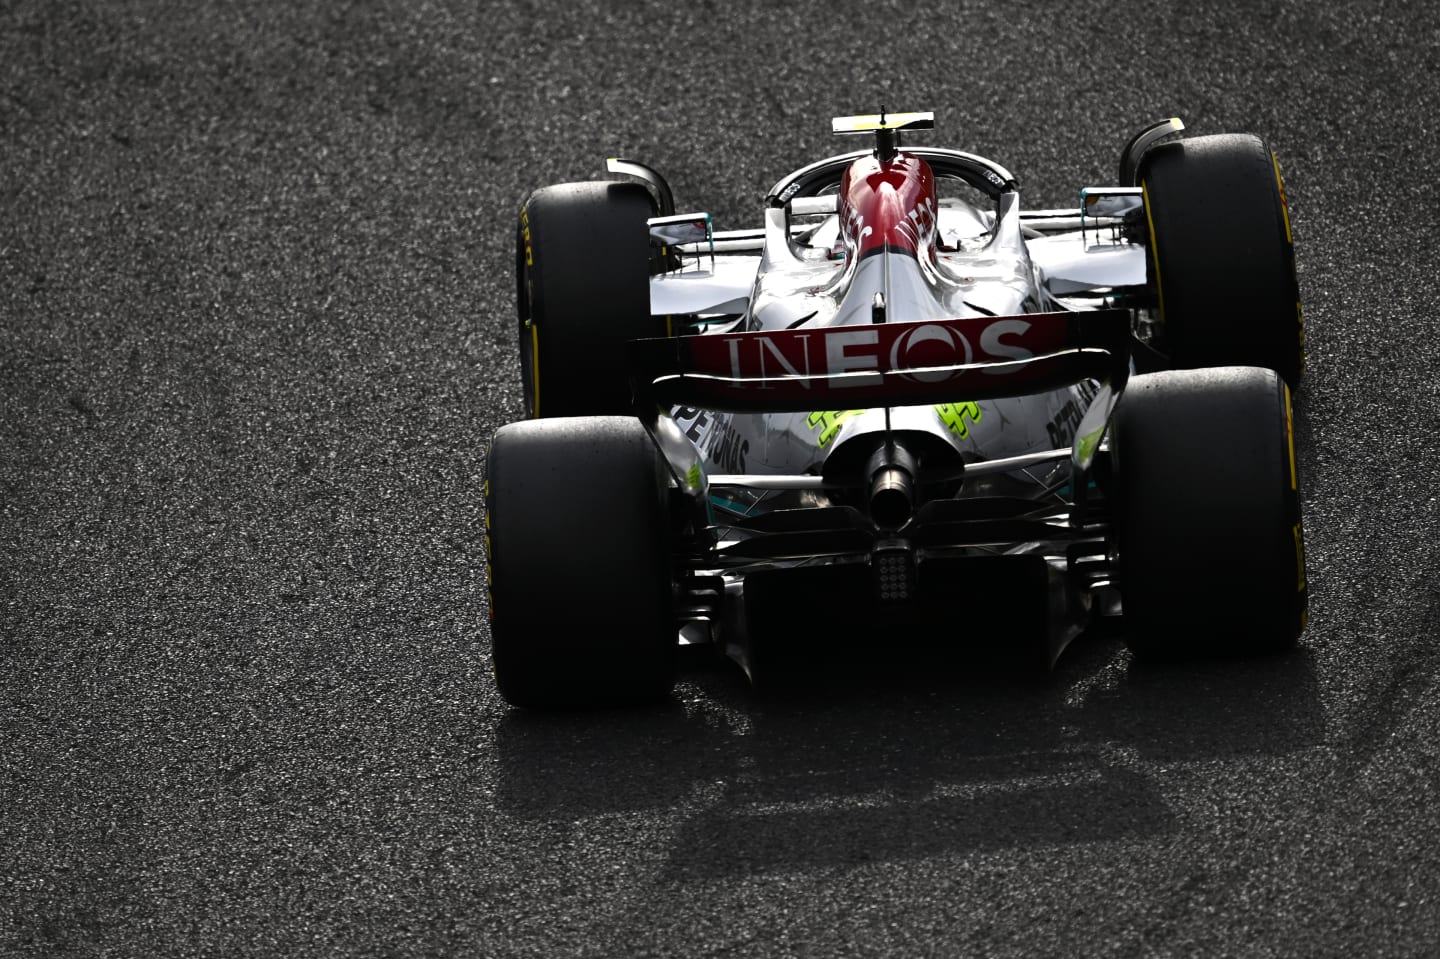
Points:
x=1154, y=247
x=535, y=369
x=1284, y=204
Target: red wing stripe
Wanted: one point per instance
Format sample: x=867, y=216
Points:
x=885, y=364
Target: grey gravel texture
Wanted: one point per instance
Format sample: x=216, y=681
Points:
x=256, y=306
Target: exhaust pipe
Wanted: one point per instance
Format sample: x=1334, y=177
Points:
x=892, y=472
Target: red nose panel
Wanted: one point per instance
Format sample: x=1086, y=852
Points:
x=888, y=206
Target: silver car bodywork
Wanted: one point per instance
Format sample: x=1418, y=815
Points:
x=799, y=272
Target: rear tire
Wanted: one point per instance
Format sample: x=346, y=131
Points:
x=1208, y=526
x=578, y=539
x=1222, y=259
x=582, y=260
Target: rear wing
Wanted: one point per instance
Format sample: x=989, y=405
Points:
x=882, y=364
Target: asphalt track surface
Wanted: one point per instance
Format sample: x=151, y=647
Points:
x=256, y=330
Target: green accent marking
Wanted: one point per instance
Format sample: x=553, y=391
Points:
x=828, y=422
x=954, y=416
x=1085, y=446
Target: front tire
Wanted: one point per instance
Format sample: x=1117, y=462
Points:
x=1222, y=257
x=578, y=541
x=582, y=260
x=1208, y=529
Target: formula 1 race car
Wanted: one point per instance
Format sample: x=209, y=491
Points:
x=903, y=410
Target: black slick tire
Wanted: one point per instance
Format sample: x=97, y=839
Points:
x=1222, y=257
x=582, y=265
x=580, y=583
x=1209, y=535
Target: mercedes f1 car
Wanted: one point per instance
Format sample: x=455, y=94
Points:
x=903, y=409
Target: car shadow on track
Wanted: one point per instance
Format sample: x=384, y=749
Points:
x=912, y=763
